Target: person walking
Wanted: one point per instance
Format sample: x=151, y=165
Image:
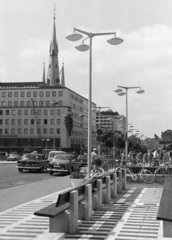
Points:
x=93, y=156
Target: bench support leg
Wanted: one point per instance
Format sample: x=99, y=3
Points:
x=108, y=189
x=73, y=217
x=119, y=188
x=123, y=179
x=99, y=195
x=114, y=186
x=88, y=202
x=56, y=224
x=167, y=229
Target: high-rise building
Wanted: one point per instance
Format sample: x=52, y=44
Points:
x=36, y=115
x=110, y=121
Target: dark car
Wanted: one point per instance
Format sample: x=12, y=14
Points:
x=63, y=163
x=32, y=162
x=82, y=159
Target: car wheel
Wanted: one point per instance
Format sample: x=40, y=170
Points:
x=51, y=173
x=20, y=170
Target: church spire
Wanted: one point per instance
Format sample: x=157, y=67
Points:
x=63, y=77
x=43, y=77
x=53, y=69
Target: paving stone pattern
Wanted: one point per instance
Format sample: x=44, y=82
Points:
x=132, y=215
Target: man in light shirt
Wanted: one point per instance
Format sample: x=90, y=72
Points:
x=93, y=156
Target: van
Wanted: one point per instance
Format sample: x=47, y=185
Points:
x=53, y=153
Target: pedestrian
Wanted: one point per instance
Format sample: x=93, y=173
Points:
x=155, y=153
x=97, y=170
x=93, y=156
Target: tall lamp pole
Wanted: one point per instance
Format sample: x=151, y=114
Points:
x=120, y=92
x=84, y=47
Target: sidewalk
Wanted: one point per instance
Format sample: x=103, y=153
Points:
x=132, y=215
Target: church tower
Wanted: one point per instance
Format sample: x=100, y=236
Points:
x=53, y=77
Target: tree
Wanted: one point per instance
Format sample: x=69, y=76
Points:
x=69, y=123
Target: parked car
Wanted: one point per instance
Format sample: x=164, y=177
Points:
x=82, y=159
x=32, y=162
x=51, y=154
x=13, y=157
x=63, y=163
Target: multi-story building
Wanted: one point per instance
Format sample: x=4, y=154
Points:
x=110, y=121
x=32, y=114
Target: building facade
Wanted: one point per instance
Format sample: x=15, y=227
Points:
x=110, y=121
x=29, y=119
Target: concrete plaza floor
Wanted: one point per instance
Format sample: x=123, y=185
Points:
x=138, y=206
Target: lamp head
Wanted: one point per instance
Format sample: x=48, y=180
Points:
x=115, y=41
x=74, y=37
x=83, y=47
x=121, y=94
x=140, y=91
x=118, y=90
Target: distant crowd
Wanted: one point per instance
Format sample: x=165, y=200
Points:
x=161, y=156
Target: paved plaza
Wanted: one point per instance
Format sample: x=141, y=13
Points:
x=132, y=215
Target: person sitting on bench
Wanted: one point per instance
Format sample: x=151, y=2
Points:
x=97, y=171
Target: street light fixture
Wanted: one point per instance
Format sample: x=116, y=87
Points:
x=120, y=92
x=54, y=103
x=83, y=47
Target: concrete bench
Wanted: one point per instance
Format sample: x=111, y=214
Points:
x=165, y=208
x=78, y=203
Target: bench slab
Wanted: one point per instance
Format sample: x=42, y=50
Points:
x=165, y=208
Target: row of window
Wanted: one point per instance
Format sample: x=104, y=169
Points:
x=35, y=131
x=28, y=131
x=71, y=96
x=28, y=103
x=76, y=107
x=28, y=121
x=32, y=94
x=30, y=112
x=44, y=112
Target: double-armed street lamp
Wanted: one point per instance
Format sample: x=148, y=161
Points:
x=77, y=35
x=120, y=92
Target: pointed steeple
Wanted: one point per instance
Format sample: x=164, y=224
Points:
x=43, y=77
x=62, y=77
x=53, y=69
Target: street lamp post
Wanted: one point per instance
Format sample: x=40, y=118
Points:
x=120, y=92
x=84, y=47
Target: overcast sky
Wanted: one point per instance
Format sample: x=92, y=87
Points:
x=144, y=59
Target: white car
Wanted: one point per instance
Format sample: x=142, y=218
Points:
x=13, y=157
x=53, y=153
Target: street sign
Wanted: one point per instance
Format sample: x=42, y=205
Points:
x=99, y=132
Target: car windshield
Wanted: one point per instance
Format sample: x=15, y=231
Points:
x=54, y=154
x=65, y=157
x=32, y=157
